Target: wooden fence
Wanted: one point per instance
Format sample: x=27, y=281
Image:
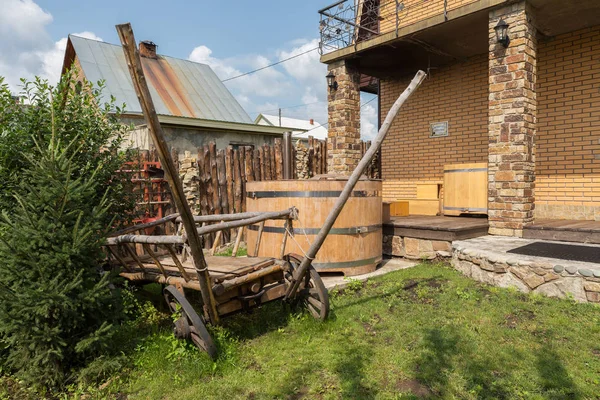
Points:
x=214, y=180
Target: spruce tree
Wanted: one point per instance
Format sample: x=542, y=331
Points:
x=60, y=194
x=56, y=307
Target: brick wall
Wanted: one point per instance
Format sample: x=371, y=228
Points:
x=457, y=94
x=568, y=132
x=413, y=12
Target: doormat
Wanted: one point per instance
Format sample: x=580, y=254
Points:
x=561, y=251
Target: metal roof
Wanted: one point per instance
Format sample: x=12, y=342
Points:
x=178, y=87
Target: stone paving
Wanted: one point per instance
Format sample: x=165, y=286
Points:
x=486, y=259
x=386, y=266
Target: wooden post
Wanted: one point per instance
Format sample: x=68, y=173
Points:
x=221, y=172
x=229, y=174
x=223, y=198
x=288, y=156
x=210, y=209
x=237, y=178
x=202, y=183
x=272, y=162
x=352, y=180
x=214, y=177
x=258, y=174
x=141, y=87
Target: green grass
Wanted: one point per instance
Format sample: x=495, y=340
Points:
x=425, y=332
x=242, y=251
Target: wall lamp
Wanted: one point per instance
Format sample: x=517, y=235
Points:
x=502, y=33
x=331, y=82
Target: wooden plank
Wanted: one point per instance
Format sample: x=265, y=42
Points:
x=139, y=82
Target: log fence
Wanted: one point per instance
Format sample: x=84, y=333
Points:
x=214, y=180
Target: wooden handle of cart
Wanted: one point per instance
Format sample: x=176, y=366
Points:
x=356, y=174
x=136, y=71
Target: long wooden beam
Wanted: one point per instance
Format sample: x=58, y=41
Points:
x=352, y=180
x=147, y=225
x=136, y=71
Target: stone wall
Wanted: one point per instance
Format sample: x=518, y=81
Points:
x=301, y=160
x=416, y=249
x=506, y=270
x=188, y=172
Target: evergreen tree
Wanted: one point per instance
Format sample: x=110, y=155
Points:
x=60, y=194
x=56, y=308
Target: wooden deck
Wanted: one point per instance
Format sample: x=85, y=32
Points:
x=564, y=230
x=437, y=228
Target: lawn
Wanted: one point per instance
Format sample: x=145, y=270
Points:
x=425, y=332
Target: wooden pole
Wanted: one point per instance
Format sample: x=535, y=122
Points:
x=288, y=156
x=356, y=174
x=141, y=87
x=237, y=180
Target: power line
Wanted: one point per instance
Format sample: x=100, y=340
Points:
x=286, y=108
x=269, y=66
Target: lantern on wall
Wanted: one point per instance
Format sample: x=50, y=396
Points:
x=502, y=33
x=331, y=82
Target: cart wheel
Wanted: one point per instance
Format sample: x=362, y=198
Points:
x=312, y=293
x=190, y=325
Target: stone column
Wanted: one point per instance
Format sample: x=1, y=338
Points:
x=512, y=122
x=343, y=144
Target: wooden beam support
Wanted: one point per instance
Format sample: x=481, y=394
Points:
x=352, y=180
x=141, y=88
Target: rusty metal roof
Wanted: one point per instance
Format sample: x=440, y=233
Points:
x=178, y=87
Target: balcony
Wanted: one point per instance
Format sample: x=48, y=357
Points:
x=393, y=38
x=349, y=22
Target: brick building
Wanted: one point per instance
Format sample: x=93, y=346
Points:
x=530, y=109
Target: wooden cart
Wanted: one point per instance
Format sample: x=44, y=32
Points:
x=238, y=283
x=225, y=285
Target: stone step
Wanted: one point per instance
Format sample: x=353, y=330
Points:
x=486, y=259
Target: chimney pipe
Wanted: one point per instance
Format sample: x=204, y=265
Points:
x=148, y=49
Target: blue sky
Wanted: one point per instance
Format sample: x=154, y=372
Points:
x=231, y=36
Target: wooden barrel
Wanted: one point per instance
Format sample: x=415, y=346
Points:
x=465, y=189
x=353, y=245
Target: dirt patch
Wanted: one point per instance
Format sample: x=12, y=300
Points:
x=596, y=352
x=512, y=320
x=414, y=387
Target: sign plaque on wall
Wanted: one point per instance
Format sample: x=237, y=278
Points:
x=438, y=129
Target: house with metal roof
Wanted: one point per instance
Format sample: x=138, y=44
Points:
x=193, y=105
x=301, y=128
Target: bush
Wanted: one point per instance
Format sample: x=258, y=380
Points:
x=58, y=158
x=71, y=111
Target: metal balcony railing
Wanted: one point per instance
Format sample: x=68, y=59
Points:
x=348, y=22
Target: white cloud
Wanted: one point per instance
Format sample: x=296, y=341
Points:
x=26, y=48
x=368, y=120
x=52, y=59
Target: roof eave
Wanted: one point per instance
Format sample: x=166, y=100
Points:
x=218, y=125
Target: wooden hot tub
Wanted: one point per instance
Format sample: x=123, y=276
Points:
x=353, y=246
